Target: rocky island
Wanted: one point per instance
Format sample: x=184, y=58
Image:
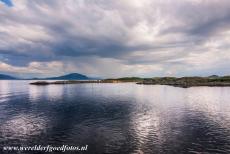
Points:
x=186, y=82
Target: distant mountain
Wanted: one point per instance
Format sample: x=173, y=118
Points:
x=72, y=76
x=7, y=77
x=213, y=76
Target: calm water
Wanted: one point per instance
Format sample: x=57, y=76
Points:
x=116, y=118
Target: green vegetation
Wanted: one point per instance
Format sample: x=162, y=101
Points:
x=125, y=79
x=184, y=82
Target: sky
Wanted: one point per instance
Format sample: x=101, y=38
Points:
x=115, y=38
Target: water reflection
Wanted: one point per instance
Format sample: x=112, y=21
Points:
x=52, y=92
x=23, y=126
x=117, y=118
x=35, y=92
x=4, y=90
x=4, y=87
x=145, y=126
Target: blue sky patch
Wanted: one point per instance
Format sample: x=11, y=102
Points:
x=7, y=2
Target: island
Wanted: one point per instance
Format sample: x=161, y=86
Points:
x=41, y=83
x=184, y=82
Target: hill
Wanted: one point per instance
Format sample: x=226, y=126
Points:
x=7, y=77
x=72, y=76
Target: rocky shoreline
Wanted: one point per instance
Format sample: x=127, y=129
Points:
x=186, y=82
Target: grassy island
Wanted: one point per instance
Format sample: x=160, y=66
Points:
x=184, y=82
x=42, y=83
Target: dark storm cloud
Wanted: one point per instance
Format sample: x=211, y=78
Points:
x=128, y=34
x=204, y=19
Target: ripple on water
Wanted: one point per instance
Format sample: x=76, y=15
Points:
x=23, y=126
x=117, y=118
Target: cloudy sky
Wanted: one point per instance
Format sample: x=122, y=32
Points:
x=114, y=38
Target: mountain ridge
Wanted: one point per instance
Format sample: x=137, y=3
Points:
x=70, y=76
x=7, y=77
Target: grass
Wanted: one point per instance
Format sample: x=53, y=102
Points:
x=172, y=81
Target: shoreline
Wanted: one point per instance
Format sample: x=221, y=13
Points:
x=184, y=82
x=189, y=85
x=72, y=82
